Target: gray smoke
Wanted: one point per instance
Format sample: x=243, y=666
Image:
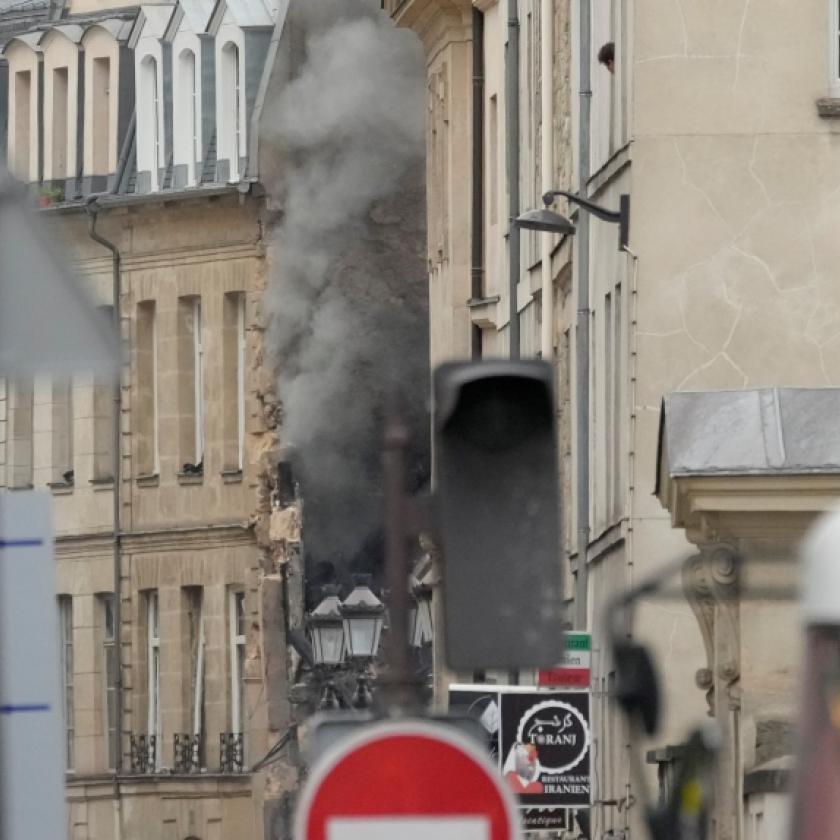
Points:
x=348, y=294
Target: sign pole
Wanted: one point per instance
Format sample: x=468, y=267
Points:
x=398, y=685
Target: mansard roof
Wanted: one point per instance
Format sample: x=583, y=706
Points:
x=151, y=22
x=243, y=13
x=766, y=431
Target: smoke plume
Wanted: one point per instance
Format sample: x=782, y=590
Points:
x=348, y=295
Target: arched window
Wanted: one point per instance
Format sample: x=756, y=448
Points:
x=188, y=115
x=149, y=120
x=231, y=128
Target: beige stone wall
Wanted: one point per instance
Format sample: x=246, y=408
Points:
x=181, y=534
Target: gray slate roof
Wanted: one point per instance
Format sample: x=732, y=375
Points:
x=762, y=431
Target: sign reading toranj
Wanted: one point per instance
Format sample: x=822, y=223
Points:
x=540, y=740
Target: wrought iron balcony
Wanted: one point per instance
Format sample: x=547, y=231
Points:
x=231, y=752
x=187, y=752
x=143, y=755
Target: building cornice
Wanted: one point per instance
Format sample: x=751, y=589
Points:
x=436, y=22
x=738, y=507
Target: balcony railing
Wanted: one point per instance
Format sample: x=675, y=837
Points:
x=188, y=752
x=231, y=752
x=143, y=755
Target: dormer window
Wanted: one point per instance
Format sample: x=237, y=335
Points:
x=101, y=115
x=60, y=79
x=149, y=121
x=22, y=119
x=231, y=116
x=188, y=116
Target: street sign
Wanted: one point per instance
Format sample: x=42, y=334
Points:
x=407, y=779
x=540, y=741
x=574, y=668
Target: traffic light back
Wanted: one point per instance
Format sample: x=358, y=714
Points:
x=497, y=515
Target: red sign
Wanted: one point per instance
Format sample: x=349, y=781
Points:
x=579, y=677
x=412, y=780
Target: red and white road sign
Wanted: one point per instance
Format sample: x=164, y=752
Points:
x=409, y=780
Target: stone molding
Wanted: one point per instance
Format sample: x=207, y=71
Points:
x=711, y=585
x=435, y=22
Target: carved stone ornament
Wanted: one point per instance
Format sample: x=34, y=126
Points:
x=711, y=585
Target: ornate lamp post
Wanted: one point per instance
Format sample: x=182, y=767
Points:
x=326, y=631
x=364, y=615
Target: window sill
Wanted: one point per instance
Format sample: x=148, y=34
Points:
x=829, y=107
x=151, y=480
x=232, y=476
x=190, y=478
x=102, y=484
x=14, y=487
x=60, y=488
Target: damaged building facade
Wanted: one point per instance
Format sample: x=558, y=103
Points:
x=721, y=131
x=139, y=132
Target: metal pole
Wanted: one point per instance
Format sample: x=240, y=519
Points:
x=398, y=684
x=512, y=141
x=583, y=318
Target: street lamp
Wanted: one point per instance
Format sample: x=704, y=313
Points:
x=326, y=630
x=548, y=221
x=363, y=614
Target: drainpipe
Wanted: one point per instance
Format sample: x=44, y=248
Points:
x=116, y=468
x=93, y=214
x=512, y=142
x=547, y=167
x=583, y=318
x=477, y=273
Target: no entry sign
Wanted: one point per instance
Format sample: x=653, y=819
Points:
x=410, y=780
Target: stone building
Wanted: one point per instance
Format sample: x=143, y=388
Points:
x=135, y=130
x=719, y=125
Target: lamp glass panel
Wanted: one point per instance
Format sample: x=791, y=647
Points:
x=328, y=644
x=363, y=635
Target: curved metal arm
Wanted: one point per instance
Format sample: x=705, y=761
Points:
x=620, y=217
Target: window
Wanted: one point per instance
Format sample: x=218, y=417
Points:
x=109, y=672
x=101, y=117
x=193, y=602
x=494, y=159
x=153, y=723
x=187, y=115
x=149, y=123
x=65, y=618
x=103, y=419
x=233, y=141
x=191, y=384
x=23, y=103
x=59, y=123
x=148, y=454
x=834, y=47
x=236, y=610
x=19, y=433
x=62, y=432
x=233, y=373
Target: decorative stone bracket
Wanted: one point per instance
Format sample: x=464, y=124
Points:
x=711, y=585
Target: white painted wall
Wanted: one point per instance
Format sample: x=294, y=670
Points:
x=22, y=58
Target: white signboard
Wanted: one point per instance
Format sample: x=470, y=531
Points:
x=32, y=748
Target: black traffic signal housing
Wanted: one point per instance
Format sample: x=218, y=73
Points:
x=497, y=514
